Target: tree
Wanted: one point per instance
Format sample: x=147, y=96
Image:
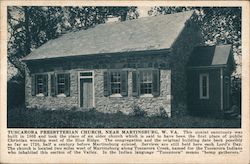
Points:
x=219, y=25
x=28, y=28
x=31, y=26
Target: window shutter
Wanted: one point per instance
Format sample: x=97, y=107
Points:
x=67, y=84
x=156, y=82
x=52, y=85
x=135, y=82
x=124, y=83
x=45, y=85
x=33, y=85
x=106, y=83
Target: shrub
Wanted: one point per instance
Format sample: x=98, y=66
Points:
x=236, y=91
x=162, y=112
x=137, y=111
x=34, y=108
x=15, y=92
x=74, y=108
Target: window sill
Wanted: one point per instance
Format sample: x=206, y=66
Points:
x=116, y=95
x=40, y=95
x=146, y=95
x=61, y=95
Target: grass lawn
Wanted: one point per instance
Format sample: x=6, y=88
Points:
x=35, y=118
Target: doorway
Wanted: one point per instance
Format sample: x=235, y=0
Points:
x=86, y=89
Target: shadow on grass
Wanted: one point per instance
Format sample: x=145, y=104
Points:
x=37, y=118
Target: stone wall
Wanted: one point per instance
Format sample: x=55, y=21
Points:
x=109, y=104
x=126, y=104
x=49, y=101
x=182, y=49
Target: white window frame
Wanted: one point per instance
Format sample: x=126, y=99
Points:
x=142, y=82
x=201, y=86
x=112, y=82
x=62, y=84
x=39, y=84
x=36, y=85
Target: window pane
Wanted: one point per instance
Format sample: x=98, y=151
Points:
x=60, y=83
x=146, y=82
x=86, y=74
x=204, y=91
x=39, y=84
x=61, y=78
x=115, y=82
x=204, y=81
x=204, y=86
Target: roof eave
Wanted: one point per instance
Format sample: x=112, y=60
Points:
x=159, y=51
x=207, y=67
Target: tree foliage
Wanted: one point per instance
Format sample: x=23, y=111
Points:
x=31, y=26
x=219, y=25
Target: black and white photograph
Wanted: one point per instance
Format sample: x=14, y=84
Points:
x=124, y=66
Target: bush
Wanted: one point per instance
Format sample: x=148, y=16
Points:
x=137, y=111
x=119, y=113
x=74, y=108
x=236, y=91
x=19, y=117
x=162, y=112
x=15, y=92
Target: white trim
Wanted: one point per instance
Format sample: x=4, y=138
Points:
x=221, y=88
x=48, y=81
x=93, y=83
x=85, y=77
x=116, y=95
x=57, y=84
x=141, y=72
x=61, y=95
x=111, y=82
x=40, y=95
x=200, y=86
x=146, y=95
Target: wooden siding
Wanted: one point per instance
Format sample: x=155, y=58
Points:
x=204, y=106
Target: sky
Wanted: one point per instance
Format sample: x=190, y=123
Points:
x=143, y=10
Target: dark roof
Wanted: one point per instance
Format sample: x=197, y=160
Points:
x=148, y=33
x=210, y=55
